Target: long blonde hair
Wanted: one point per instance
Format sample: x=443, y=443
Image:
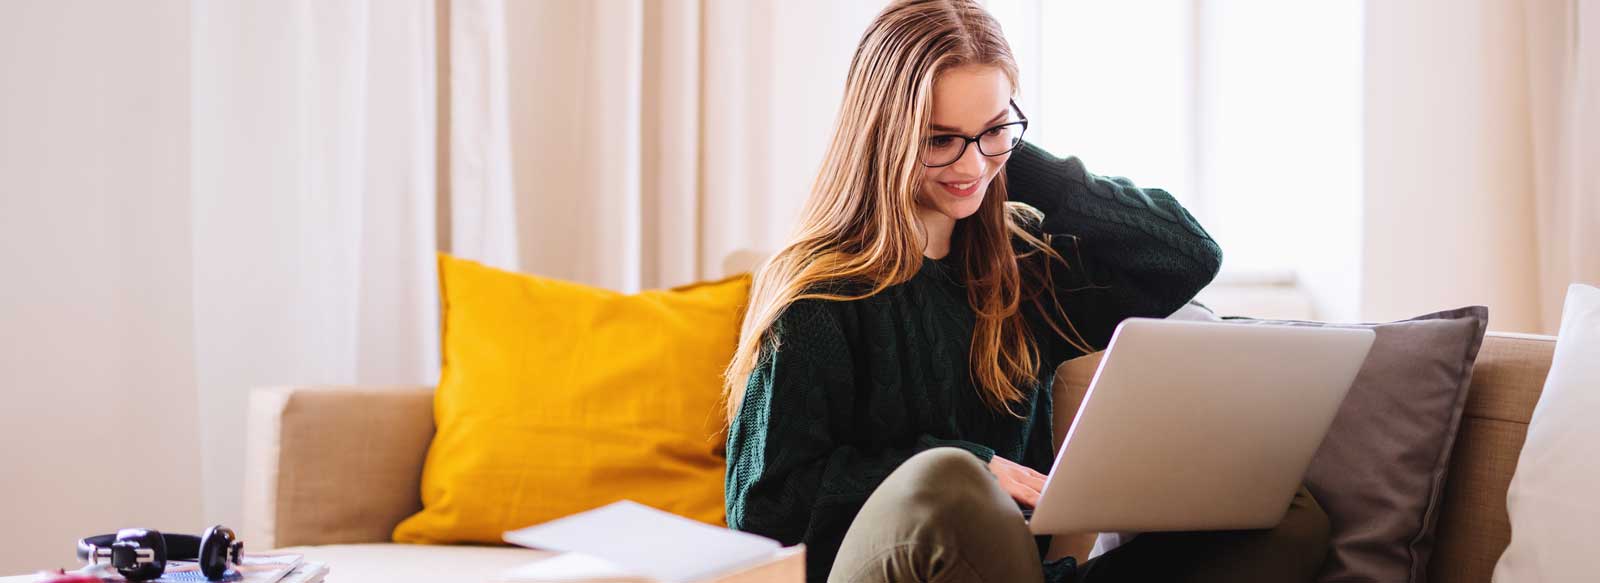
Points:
x=860, y=225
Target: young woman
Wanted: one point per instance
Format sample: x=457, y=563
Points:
x=890, y=396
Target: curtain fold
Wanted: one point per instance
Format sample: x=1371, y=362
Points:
x=481, y=201
x=1562, y=40
x=312, y=200
x=651, y=138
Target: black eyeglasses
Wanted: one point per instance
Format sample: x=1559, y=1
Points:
x=944, y=149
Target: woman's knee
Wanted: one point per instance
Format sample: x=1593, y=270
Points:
x=943, y=478
x=941, y=512
x=945, y=485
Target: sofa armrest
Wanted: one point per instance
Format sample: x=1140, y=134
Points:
x=332, y=464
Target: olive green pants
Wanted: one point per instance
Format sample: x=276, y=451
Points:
x=942, y=517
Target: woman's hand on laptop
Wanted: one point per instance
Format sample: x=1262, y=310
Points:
x=1021, y=482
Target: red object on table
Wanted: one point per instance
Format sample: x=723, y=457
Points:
x=64, y=577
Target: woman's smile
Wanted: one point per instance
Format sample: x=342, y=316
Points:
x=962, y=189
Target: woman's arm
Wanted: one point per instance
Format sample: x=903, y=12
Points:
x=1130, y=251
x=792, y=475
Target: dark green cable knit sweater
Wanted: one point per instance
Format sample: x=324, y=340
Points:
x=858, y=387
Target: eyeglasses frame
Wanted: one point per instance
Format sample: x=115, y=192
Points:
x=969, y=140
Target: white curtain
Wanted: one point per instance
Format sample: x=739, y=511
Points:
x=479, y=201
x=313, y=169
x=1563, y=64
x=648, y=139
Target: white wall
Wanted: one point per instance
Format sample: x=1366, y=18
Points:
x=199, y=199
x=1448, y=188
x=98, y=426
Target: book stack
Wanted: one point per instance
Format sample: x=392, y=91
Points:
x=254, y=568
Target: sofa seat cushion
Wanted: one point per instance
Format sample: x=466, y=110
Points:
x=407, y=563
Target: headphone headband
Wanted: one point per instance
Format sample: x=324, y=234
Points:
x=180, y=547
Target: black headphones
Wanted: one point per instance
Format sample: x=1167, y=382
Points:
x=141, y=554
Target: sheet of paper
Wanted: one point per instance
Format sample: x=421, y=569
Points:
x=638, y=539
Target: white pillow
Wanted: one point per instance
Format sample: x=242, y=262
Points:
x=1552, y=500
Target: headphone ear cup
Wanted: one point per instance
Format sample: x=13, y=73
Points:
x=130, y=540
x=217, y=550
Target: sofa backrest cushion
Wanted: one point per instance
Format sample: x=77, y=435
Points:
x=1473, y=527
x=557, y=398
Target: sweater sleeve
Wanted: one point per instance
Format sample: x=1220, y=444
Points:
x=1130, y=252
x=793, y=472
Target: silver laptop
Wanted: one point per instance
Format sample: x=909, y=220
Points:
x=1198, y=426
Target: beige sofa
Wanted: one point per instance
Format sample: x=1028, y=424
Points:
x=333, y=469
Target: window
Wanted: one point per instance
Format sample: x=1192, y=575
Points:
x=1248, y=111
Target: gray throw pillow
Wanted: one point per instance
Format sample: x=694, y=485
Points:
x=1380, y=472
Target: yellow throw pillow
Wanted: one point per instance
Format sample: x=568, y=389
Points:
x=557, y=398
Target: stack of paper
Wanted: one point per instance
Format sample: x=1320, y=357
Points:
x=630, y=542
x=306, y=573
